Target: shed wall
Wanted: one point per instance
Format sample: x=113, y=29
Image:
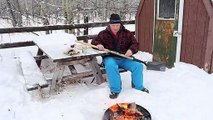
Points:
x=145, y=24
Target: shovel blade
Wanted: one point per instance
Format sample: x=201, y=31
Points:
x=157, y=66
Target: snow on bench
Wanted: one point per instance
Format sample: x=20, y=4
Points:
x=34, y=78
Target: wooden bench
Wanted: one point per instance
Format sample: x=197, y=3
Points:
x=103, y=71
x=34, y=78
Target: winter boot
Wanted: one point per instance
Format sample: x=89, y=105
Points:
x=113, y=95
x=145, y=90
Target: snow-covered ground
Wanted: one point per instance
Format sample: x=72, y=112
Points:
x=184, y=92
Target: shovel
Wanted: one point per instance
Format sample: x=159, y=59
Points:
x=157, y=66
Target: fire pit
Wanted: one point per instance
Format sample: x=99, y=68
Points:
x=126, y=111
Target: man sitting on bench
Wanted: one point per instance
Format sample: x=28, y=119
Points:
x=115, y=37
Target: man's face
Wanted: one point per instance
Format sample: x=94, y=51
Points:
x=115, y=27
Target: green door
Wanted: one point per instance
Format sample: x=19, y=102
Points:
x=166, y=22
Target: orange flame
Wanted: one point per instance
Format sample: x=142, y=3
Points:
x=128, y=113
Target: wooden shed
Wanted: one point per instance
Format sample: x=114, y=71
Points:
x=177, y=30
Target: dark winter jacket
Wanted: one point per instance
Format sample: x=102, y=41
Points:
x=121, y=44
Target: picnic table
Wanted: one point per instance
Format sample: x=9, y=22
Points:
x=55, y=46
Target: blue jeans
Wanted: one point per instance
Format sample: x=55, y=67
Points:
x=112, y=64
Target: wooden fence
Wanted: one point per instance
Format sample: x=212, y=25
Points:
x=53, y=27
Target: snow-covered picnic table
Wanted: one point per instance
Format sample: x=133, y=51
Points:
x=55, y=45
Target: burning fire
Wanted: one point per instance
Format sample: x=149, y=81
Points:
x=125, y=111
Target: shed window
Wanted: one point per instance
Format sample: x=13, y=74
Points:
x=166, y=9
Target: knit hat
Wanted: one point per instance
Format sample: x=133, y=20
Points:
x=114, y=18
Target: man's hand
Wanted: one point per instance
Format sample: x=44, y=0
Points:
x=100, y=47
x=128, y=53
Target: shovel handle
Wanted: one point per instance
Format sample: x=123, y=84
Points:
x=113, y=52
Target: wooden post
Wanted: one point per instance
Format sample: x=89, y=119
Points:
x=96, y=71
x=57, y=77
x=86, y=20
